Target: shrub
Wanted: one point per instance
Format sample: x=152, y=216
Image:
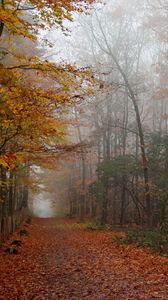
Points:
x=153, y=239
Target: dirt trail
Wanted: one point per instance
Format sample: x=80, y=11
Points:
x=59, y=260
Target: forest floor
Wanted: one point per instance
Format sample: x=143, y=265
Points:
x=63, y=260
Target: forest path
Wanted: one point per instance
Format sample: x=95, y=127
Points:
x=61, y=260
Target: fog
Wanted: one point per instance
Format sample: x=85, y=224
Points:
x=42, y=206
x=119, y=175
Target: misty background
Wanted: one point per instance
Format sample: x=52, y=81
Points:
x=122, y=125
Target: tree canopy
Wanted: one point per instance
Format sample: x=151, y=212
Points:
x=34, y=91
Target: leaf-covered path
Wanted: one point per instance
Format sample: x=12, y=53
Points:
x=59, y=260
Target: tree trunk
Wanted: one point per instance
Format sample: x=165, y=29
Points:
x=1, y=23
x=82, y=198
x=138, y=120
x=104, y=205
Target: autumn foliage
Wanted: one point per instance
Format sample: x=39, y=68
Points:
x=35, y=94
x=34, y=91
x=47, y=14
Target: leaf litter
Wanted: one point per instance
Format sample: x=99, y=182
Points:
x=58, y=260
